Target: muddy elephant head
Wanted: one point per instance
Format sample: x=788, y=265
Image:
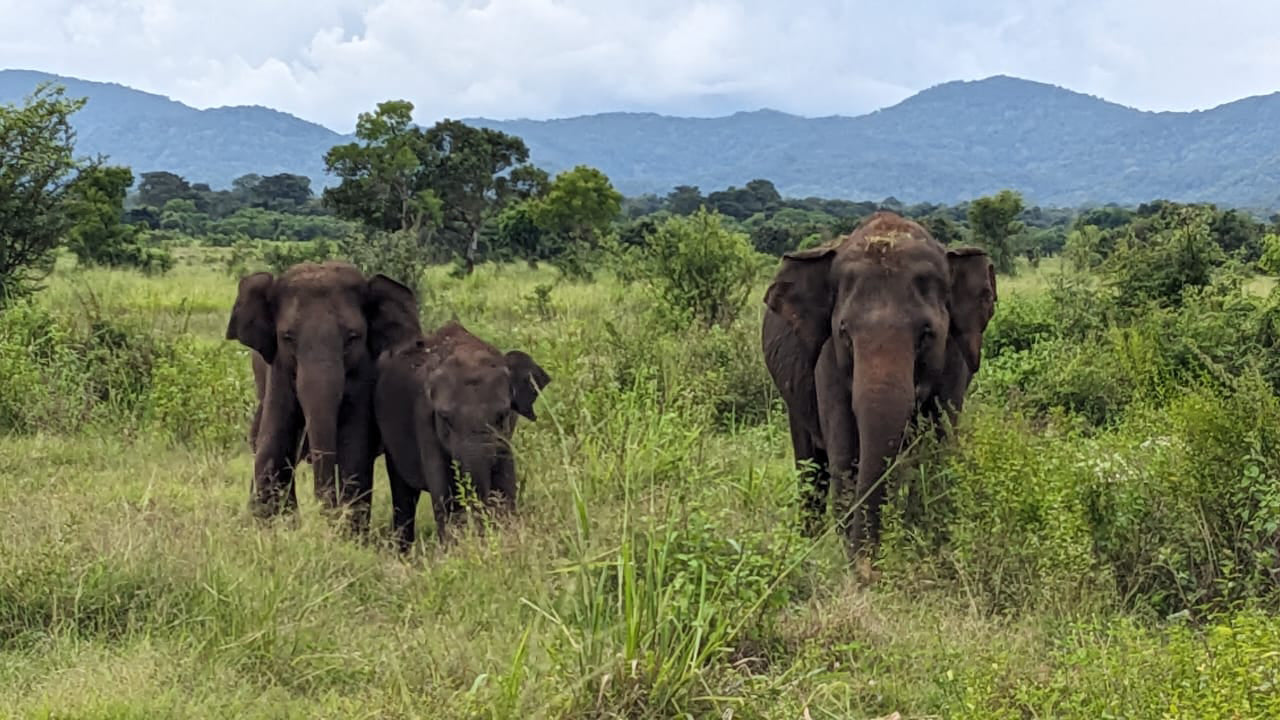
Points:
x=877, y=311
x=475, y=394
x=319, y=328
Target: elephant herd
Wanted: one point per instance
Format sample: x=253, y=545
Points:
x=862, y=337
x=344, y=372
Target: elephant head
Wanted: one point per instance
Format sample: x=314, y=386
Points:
x=475, y=393
x=319, y=328
x=877, y=311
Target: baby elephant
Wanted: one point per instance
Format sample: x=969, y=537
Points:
x=451, y=398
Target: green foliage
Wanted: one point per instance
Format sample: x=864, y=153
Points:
x=395, y=254
x=579, y=204
x=1270, y=260
x=179, y=410
x=98, y=236
x=1156, y=262
x=993, y=224
x=36, y=171
x=66, y=372
x=476, y=172
x=565, y=224
x=699, y=269
x=385, y=175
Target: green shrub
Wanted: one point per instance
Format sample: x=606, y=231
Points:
x=202, y=395
x=395, y=254
x=699, y=269
x=68, y=373
x=1155, y=264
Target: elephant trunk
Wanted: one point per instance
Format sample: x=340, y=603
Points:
x=477, y=461
x=320, y=391
x=884, y=399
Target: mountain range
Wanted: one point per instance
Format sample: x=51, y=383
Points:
x=949, y=143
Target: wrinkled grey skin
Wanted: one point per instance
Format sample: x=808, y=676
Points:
x=316, y=331
x=860, y=338
x=445, y=399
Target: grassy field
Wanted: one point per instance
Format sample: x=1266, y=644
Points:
x=655, y=568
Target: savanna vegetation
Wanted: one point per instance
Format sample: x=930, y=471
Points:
x=1100, y=539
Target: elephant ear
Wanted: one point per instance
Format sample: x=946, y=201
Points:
x=803, y=295
x=391, y=309
x=973, y=298
x=527, y=380
x=253, y=320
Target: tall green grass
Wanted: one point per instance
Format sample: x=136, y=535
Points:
x=1067, y=556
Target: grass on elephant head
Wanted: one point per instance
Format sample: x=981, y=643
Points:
x=655, y=568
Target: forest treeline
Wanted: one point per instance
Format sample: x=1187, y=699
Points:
x=409, y=196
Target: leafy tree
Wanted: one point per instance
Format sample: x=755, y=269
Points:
x=1108, y=217
x=638, y=207
x=37, y=168
x=282, y=191
x=684, y=200
x=386, y=174
x=157, y=188
x=699, y=269
x=467, y=169
x=1174, y=251
x=993, y=225
x=1084, y=249
x=943, y=229
x=518, y=231
x=182, y=215
x=579, y=205
x=98, y=235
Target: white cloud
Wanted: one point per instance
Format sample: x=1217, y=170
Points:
x=327, y=60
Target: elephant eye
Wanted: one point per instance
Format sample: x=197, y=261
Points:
x=352, y=336
x=287, y=336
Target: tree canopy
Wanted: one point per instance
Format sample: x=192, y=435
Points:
x=37, y=168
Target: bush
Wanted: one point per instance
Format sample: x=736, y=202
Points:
x=699, y=269
x=395, y=254
x=201, y=395
x=1155, y=263
x=64, y=374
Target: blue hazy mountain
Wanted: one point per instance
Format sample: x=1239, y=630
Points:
x=948, y=143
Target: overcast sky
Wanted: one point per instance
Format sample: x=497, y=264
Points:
x=326, y=60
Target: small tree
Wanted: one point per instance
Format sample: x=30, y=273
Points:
x=98, y=235
x=574, y=215
x=994, y=225
x=1177, y=252
x=36, y=169
x=700, y=269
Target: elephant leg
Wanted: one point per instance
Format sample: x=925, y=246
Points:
x=355, y=470
x=404, y=504
x=812, y=465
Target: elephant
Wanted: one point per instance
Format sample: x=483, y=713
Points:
x=316, y=331
x=451, y=398
x=861, y=338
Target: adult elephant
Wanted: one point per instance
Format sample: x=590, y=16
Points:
x=451, y=398
x=861, y=336
x=317, y=330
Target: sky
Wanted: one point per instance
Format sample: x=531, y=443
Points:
x=328, y=60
